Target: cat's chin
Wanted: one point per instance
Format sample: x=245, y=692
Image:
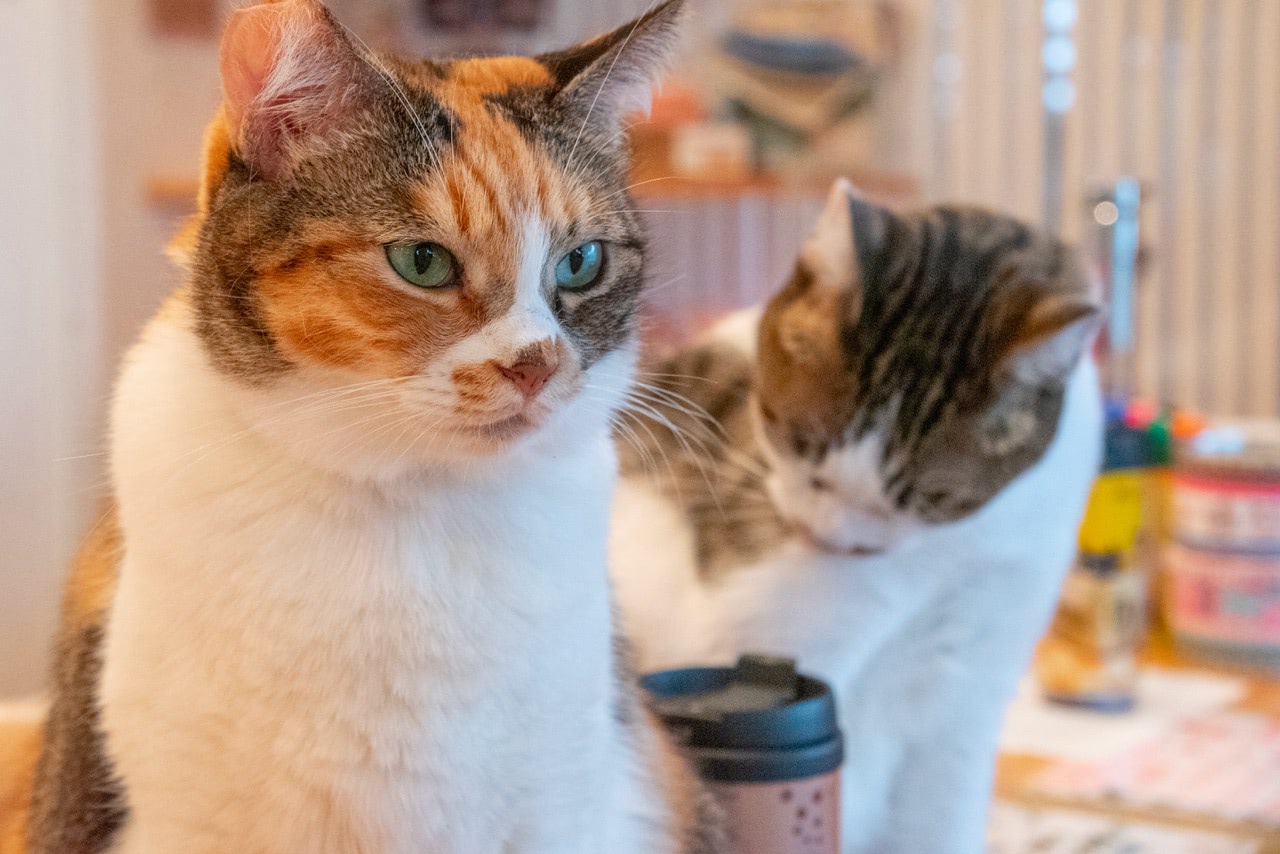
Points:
x=811, y=540
x=495, y=437
x=869, y=542
x=505, y=429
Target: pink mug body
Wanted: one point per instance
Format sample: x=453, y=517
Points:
x=788, y=817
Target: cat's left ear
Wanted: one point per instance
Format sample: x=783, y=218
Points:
x=1052, y=337
x=610, y=76
x=850, y=237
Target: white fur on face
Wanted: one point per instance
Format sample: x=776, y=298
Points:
x=529, y=320
x=839, y=503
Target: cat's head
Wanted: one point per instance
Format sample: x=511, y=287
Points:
x=404, y=262
x=913, y=367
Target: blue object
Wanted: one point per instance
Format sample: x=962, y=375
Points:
x=792, y=54
x=758, y=722
x=1124, y=258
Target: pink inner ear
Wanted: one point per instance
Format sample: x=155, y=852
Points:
x=286, y=69
x=250, y=49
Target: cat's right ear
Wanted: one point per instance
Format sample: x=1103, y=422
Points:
x=850, y=236
x=289, y=76
x=1052, y=336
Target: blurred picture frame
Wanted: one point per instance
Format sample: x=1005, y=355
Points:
x=196, y=20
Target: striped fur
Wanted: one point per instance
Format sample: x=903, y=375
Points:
x=934, y=347
x=299, y=408
x=949, y=347
x=76, y=802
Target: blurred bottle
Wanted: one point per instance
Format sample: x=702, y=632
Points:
x=1089, y=657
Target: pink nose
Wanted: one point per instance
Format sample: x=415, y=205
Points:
x=529, y=377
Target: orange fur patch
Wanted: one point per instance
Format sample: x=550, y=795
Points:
x=93, y=576
x=489, y=76
x=19, y=752
x=498, y=177
x=342, y=312
x=217, y=154
x=801, y=366
x=475, y=384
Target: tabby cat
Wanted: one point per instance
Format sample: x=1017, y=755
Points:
x=900, y=455
x=352, y=593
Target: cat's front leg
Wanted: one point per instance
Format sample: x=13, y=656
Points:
x=942, y=793
x=561, y=831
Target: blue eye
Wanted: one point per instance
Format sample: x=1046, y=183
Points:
x=581, y=267
x=423, y=265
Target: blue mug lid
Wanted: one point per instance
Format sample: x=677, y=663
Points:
x=760, y=721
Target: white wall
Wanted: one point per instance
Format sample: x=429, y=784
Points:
x=51, y=386
x=156, y=95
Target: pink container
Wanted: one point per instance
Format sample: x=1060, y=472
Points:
x=1222, y=594
x=1224, y=598
x=793, y=817
x=1215, y=511
x=766, y=740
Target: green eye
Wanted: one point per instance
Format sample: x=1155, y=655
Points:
x=423, y=265
x=581, y=267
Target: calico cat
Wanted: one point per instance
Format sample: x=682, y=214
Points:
x=352, y=593
x=899, y=458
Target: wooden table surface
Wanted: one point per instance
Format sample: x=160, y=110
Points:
x=1014, y=772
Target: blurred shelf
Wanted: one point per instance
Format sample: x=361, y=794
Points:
x=887, y=187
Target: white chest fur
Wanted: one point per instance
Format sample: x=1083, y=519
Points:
x=297, y=662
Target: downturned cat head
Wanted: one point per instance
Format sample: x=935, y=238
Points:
x=913, y=367
x=405, y=262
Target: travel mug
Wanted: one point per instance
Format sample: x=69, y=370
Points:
x=767, y=741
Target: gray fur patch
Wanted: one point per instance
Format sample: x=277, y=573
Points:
x=78, y=804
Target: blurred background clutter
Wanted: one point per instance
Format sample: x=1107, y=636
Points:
x=1146, y=131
